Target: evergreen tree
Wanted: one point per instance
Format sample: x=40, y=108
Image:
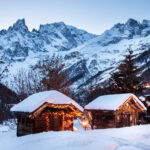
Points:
x=127, y=77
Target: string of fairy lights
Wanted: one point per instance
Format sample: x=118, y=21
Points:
x=66, y=112
x=75, y=112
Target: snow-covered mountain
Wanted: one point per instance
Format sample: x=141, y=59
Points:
x=86, y=55
x=18, y=41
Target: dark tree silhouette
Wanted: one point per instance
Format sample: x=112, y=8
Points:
x=53, y=74
x=127, y=77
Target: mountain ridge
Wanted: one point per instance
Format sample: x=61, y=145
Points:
x=84, y=54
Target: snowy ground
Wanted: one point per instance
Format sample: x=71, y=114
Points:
x=128, y=138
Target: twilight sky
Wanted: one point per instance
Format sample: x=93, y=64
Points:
x=95, y=16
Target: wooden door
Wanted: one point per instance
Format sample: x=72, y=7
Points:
x=125, y=120
x=56, y=122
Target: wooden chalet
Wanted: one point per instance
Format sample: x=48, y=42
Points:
x=117, y=110
x=46, y=111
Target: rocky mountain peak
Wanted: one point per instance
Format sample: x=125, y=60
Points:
x=132, y=23
x=19, y=25
x=52, y=27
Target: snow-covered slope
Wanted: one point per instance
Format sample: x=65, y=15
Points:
x=128, y=138
x=85, y=54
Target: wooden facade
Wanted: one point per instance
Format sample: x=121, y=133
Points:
x=128, y=114
x=48, y=117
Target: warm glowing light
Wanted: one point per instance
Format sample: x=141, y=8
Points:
x=147, y=85
x=93, y=89
x=84, y=123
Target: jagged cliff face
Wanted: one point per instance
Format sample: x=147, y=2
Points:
x=18, y=41
x=86, y=55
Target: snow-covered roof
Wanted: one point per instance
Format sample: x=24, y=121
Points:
x=111, y=102
x=34, y=101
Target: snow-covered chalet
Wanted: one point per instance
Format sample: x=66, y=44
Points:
x=46, y=111
x=116, y=110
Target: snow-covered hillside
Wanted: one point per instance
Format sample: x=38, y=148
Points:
x=106, y=50
x=85, y=54
x=128, y=138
